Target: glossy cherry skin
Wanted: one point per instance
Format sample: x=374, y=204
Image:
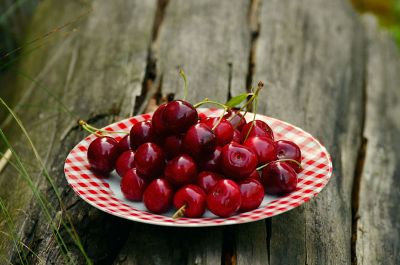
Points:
x=173, y=145
x=237, y=136
x=124, y=162
x=141, y=133
x=238, y=161
x=101, y=154
x=207, y=180
x=199, y=141
x=279, y=178
x=179, y=115
x=157, y=121
x=223, y=132
x=255, y=175
x=252, y=193
x=224, y=198
x=212, y=162
x=158, y=195
x=236, y=119
x=132, y=185
x=202, y=116
x=149, y=160
x=259, y=128
x=124, y=144
x=288, y=150
x=263, y=147
x=194, y=198
x=181, y=170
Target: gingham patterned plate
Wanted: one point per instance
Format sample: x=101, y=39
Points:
x=105, y=194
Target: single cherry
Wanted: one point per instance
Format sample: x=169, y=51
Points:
x=181, y=170
x=279, y=178
x=141, y=133
x=157, y=121
x=124, y=162
x=263, y=147
x=194, y=199
x=224, y=198
x=157, y=197
x=132, y=185
x=173, y=146
x=236, y=119
x=260, y=128
x=149, y=160
x=238, y=161
x=101, y=154
x=179, y=115
x=212, y=162
x=223, y=132
x=252, y=193
x=289, y=150
x=207, y=180
x=237, y=136
x=199, y=141
x=124, y=144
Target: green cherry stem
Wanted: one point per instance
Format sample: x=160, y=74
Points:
x=185, y=86
x=255, y=105
x=280, y=160
x=180, y=212
x=207, y=101
x=98, y=132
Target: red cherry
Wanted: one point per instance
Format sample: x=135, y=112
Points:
x=207, y=180
x=212, y=162
x=236, y=119
x=101, y=154
x=181, y=170
x=173, y=146
x=194, y=198
x=124, y=162
x=132, y=185
x=259, y=128
x=199, y=141
x=255, y=175
x=124, y=144
x=179, y=115
x=263, y=147
x=224, y=198
x=157, y=197
x=252, y=193
x=279, y=178
x=238, y=161
x=289, y=150
x=149, y=160
x=223, y=132
x=157, y=121
x=141, y=133
x=202, y=116
x=237, y=136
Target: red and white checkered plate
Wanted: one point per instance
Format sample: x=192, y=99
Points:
x=105, y=194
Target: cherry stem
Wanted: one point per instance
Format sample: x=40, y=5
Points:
x=180, y=212
x=280, y=160
x=254, y=118
x=207, y=101
x=185, y=86
x=98, y=132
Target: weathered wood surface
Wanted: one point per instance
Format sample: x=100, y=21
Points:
x=320, y=69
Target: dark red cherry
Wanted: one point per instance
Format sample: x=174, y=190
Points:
x=255, y=175
x=149, y=160
x=212, y=162
x=124, y=144
x=101, y=154
x=236, y=119
x=132, y=185
x=158, y=195
x=224, y=198
x=173, y=146
x=157, y=121
x=181, y=170
x=263, y=147
x=202, y=116
x=124, y=162
x=207, y=180
x=194, y=198
x=141, y=133
x=199, y=141
x=260, y=128
x=237, y=136
x=252, y=193
x=223, y=132
x=289, y=150
x=279, y=178
x=179, y=115
x=238, y=161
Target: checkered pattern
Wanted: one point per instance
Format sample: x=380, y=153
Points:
x=317, y=169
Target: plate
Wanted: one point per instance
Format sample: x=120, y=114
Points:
x=105, y=194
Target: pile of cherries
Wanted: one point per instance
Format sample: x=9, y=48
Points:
x=192, y=162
